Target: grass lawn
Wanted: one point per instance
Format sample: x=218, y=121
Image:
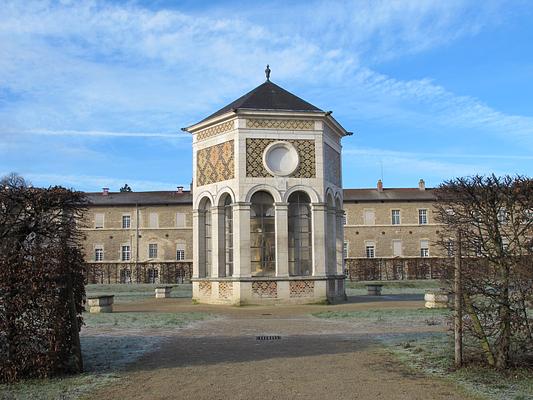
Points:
x=140, y=320
x=136, y=291
x=358, y=288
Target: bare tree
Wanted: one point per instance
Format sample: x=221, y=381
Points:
x=493, y=217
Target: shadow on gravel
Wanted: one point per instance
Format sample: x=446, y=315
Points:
x=193, y=351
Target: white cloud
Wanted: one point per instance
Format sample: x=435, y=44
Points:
x=97, y=69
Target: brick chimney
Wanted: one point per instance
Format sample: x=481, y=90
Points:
x=421, y=185
x=105, y=191
x=380, y=185
x=180, y=189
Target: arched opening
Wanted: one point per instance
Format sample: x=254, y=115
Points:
x=204, y=238
x=300, y=236
x=339, y=236
x=331, y=237
x=262, y=235
x=226, y=237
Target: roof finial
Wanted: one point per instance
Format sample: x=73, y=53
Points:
x=267, y=72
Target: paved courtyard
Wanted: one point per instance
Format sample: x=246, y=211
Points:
x=221, y=358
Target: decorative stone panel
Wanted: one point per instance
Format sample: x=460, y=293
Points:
x=204, y=288
x=215, y=164
x=332, y=165
x=265, y=289
x=254, y=158
x=214, y=130
x=282, y=124
x=301, y=288
x=225, y=290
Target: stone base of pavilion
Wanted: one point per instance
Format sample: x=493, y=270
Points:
x=269, y=290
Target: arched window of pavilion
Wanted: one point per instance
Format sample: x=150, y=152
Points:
x=204, y=239
x=331, y=262
x=226, y=241
x=300, y=234
x=262, y=235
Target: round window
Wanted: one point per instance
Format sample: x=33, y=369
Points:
x=280, y=158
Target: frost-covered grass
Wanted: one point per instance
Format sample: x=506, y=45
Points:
x=103, y=356
x=136, y=291
x=382, y=315
x=433, y=354
x=141, y=320
x=393, y=287
x=127, y=337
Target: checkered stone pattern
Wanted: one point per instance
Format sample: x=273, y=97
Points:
x=332, y=165
x=265, y=289
x=301, y=288
x=225, y=290
x=282, y=124
x=204, y=288
x=214, y=130
x=254, y=158
x=215, y=164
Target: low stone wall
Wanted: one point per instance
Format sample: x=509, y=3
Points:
x=437, y=300
x=100, y=304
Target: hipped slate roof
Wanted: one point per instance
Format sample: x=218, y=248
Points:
x=392, y=194
x=132, y=198
x=173, y=197
x=267, y=96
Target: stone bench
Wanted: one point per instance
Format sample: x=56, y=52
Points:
x=374, y=290
x=437, y=299
x=162, y=292
x=100, y=304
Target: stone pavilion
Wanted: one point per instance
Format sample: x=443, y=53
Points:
x=267, y=202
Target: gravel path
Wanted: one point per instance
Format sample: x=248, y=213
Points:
x=314, y=358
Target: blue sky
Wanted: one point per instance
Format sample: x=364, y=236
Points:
x=94, y=94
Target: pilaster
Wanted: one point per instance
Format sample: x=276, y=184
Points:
x=319, y=223
x=241, y=240
x=282, y=239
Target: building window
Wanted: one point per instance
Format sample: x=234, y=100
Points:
x=125, y=253
x=450, y=251
x=395, y=217
x=345, y=219
x=126, y=222
x=180, y=253
x=154, y=220
x=152, y=250
x=502, y=216
x=397, y=248
x=262, y=235
x=424, y=248
x=345, y=249
x=99, y=220
x=99, y=253
x=152, y=275
x=370, y=249
x=369, y=217
x=180, y=220
x=422, y=216
x=300, y=240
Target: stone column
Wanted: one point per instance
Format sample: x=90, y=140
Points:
x=282, y=239
x=241, y=240
x=217, y=236
x=319, y=224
